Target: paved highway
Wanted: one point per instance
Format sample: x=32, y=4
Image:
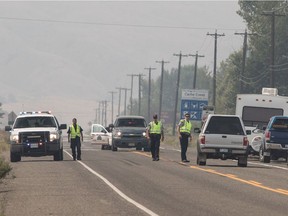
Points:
x=128, y=182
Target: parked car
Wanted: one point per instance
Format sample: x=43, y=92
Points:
x=274, y=143
x=129, y=132
x=222, y=137
x=100, y=135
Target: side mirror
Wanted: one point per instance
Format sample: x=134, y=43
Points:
x=63, y=126
x=8, y=128
x=197, y=130
x=248, y=132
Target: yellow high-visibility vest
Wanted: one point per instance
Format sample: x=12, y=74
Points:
x=186, y=128
x=155, y=128
x=74, y=132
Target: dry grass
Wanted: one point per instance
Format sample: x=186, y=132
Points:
x=4, y=146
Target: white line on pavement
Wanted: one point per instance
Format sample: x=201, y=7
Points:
x=138, y=205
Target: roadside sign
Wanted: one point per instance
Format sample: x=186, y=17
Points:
x=192, y=102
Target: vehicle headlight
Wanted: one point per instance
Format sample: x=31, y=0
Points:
x=118, y=134
x=54, y=136
x=14, y=138
x=144, y=134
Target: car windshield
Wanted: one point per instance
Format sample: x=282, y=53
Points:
x=36, y=121
x=131, y=122
x=224, y=125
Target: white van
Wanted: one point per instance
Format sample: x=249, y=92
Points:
x=100, y=135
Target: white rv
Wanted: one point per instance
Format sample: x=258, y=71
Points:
x=256, y=110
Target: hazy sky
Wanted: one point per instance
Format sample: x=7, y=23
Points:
x=66, y=56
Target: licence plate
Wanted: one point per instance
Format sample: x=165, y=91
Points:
x=131, y=144
x=34, y=145
x=223, y=150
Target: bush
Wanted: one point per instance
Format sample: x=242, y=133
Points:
x=4, y=146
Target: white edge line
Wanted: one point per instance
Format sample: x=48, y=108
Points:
x=138, y=205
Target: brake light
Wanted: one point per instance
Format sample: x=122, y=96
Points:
x=202, y=139
x=267, y=135
x=245, y=141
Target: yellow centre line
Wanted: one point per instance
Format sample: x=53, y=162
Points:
x=230, y=176
x=249, y=182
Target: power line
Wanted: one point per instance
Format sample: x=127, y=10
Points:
x=112, y=24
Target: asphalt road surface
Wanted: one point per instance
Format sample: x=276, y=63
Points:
x=128, y=182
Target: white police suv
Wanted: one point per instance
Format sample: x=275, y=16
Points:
x=36, y=134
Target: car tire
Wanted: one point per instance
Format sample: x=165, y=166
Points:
x=147, y=149
x=113, y=147
x=14, y=157
x=138, y=148
x=57, y=155
x=201, y=159
x=263, y=158
x=242, y=161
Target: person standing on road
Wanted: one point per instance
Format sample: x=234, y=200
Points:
x=75, y=136
x=155, y=133
x=184, y=133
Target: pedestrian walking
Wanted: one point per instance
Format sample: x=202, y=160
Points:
x=184, y=134
x=75, y=136
x=155, y=132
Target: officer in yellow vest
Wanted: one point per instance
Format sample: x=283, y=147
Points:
x=155, y=133
x=184, y=133
x=75, y=133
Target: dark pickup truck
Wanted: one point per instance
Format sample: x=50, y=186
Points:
x=275, y=140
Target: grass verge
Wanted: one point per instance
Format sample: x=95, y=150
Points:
x=4, y=146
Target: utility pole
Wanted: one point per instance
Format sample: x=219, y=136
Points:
x=131, y=99
x=243, y=58
x=149, y=92
x=99, y=112
x=215, y=35
x=195, y=70
x=139, y=93
x=125, y=90
x=272, y=61
x=112, y=105
x=161, y=86
x=177, y=90
x=119, y=102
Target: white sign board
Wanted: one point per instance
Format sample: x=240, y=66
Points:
x=195, y=94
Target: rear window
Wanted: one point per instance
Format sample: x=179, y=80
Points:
x=130, y=122
x=224, y=125
x=280, y=124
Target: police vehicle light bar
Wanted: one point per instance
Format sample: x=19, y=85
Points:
x=35, y=112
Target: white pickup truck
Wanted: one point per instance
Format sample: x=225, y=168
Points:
x=222, y=137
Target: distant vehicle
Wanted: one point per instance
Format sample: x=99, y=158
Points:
x=274, y=143
x=36, y=134
x=100, y=135
x=222, y=137
x=256, y=110
x=129, y=132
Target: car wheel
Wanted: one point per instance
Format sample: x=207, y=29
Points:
x=262, y=157
x=57, y=155
x=147, y=149
x=15, y=157
x=113, y=147
x=242, y=161
x=201, y=159
x=138, y=148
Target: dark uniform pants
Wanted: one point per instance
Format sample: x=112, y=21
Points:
x=76, y=145
x=155, y=145
x=184, y=145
